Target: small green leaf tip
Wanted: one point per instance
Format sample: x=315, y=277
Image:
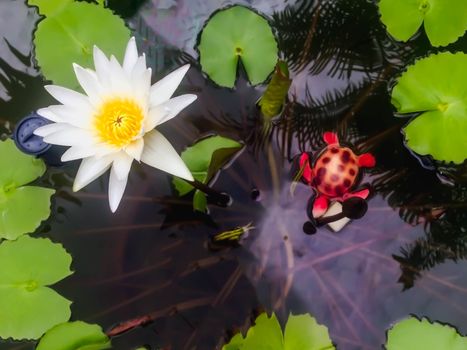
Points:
x=76, y=335
x=301, y=332
x=435, y=87
x=69, y=35
x=237, y=33
x=22, y=208
x=444, y=21
x=415, y=334
x=204, y=159
x=28, y=307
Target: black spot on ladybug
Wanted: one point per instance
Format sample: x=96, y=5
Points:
x=339, y=190
x=326, y=160
x=345, y=157
x=321, y=172
x=334, y=150
x=318, y=181
x=328, y=189
x=341, y=167
x=347, y=183
x=335, y=178
x=352, y=172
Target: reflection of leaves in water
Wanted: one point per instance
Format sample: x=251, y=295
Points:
x=307, y=122
x=340, y=36
x=446, y=238
x=18, y=84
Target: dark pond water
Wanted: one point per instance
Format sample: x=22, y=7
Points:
x=152, y=258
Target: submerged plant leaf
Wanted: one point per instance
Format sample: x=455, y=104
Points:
x=76, y=335
x=301, y=332
x=68, y=37
x=435, y=87
x=417, y=334
x=28, y=307
x=445, y=21
x=204, y=159
x=233, y=34
x=22, y=208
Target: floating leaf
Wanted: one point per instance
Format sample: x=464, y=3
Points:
x=74, y=336
x=234, y=33
x=204, y=159
x=22, y=208
x=68, y=37
x=301, y=332
x=414, y=334
x=445, y=21
x=435, y=87
x=236, y=343
x=49, y=7
x=265, y=334
x=28, y=307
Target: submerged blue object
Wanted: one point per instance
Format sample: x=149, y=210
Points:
x=34, y=145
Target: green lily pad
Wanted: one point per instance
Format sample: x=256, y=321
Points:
x=435, y=87
x=414, y=334
x=301, y=332
x=22, y=208
x=445, y=21
x=76, y=335
x=49, y=7
x=28, y=308
x=237, y=33
x=68, y=37
x=204, y=159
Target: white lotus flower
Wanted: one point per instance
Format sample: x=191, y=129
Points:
x=114, y=122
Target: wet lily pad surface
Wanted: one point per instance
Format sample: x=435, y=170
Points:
x=29, y=307
x=444, y=21
x=423, y=335
x=22, y=208
x=76, y=335
x=434, y=87
x=234, y=34
x=69, y=32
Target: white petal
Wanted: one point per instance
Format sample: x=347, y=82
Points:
x=88, y=81
x=70, y=136
x=131, y=56
x=77, y=152
x=159, y=153
x=121, y=165
x=104, y=149
x=50, y=129
x=166, y=111
x=135, y=149
x=89, y=170
x=50, y=115
x=118, y=78
x=116, y=190
x=141, y=86
x=76, y=116
x=67, y=96
x=101, y=64
x=139, y=67
x=164, y=88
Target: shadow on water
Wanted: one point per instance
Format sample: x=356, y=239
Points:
x=152, y=258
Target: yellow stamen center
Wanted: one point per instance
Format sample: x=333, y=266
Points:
x=119, y=121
